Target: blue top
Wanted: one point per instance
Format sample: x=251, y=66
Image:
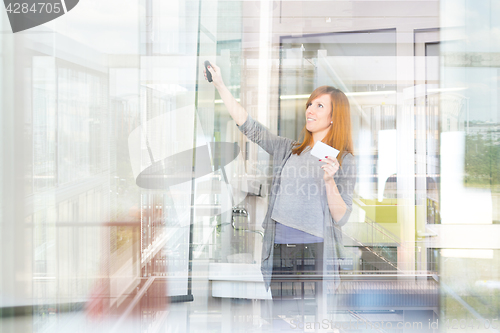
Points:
x=288, y=235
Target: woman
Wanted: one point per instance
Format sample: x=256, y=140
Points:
x=310, y=200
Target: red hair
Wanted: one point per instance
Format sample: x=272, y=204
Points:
x=339, y=136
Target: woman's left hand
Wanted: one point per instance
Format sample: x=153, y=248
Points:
x=330, y=167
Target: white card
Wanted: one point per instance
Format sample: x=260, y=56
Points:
x=320, y=150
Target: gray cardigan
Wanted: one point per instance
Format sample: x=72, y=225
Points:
x=281, y=148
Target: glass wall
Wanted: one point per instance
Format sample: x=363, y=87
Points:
x=469, y=145
x=132, y=202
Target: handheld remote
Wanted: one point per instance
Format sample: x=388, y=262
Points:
x=209, y=75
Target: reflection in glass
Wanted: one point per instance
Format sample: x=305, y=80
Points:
x=92, y=99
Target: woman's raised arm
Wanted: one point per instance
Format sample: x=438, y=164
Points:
x=237, y=112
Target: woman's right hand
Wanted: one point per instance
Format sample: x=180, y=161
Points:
x=237, y=112
x=216, y=77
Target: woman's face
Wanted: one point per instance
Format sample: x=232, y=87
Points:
x=318, y=115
